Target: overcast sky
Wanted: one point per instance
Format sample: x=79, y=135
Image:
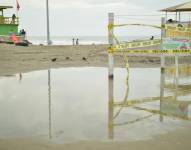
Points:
x=84, y=17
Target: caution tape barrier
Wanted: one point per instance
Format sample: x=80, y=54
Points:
x=166, y=26
x=176, y=28
x=138, y=44
x=151, y=51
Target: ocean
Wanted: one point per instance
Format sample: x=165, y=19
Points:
x=83, y=40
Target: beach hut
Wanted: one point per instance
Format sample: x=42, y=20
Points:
x=177, y=9
x=8, y=24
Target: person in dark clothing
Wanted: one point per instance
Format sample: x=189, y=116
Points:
x=23, y=33
x=152, y=38
x=73, y=41
x=77, y=41
x=13, y=18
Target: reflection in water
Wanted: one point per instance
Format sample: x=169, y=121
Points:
x=49, y=104
x=170, y=106
x=110, y=122
x=162, y=84
x=80, y=111
x=20, y=77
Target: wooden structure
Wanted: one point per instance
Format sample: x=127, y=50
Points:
x=177, y=9
x=165, y=101
x=8, y=24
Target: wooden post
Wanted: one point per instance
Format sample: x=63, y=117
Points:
x=162, y=80
x=111, y=42
x=110, y=109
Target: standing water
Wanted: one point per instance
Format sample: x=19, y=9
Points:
x=68, y=105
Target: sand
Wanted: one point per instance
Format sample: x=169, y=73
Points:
x=16, y=59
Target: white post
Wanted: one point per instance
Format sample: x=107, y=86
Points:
x=162, y=86
x=111, y=42
x=179, y=17
x=176, y=76
x=176, y=17
x=110, y=76
x=47, y=19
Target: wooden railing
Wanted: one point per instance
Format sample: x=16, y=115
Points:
x=8, y=20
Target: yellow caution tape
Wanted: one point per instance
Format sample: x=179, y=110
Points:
x=110, y=26
x=136, y=24
x=166, y=26
x=160, y=112
x=133, y=121
x=111, y=50
x=176, y=28
x=173, y=27
x=175, y=34
x=172, y=30
x=154, y=51
x=184, y=70
x=136, y=101
x=138, y=44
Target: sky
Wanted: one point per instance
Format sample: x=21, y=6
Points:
x=87, y=17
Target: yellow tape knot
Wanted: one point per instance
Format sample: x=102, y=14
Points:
x=110, y=26
x=111, y=50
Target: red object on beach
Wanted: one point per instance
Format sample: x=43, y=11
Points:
x=18, y=5
x=14, y=39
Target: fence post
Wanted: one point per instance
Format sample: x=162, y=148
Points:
x=176, y=75
x=162, y=80
x=110, y=76
x=111, y=42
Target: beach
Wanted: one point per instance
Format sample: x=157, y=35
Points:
x=95, y=75
x=18, y=59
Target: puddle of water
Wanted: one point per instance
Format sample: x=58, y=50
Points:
x=72, y=104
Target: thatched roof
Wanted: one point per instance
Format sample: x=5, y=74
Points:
x=179, y=8
x=5, y=7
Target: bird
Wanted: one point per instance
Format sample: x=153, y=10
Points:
x=54, y=59
x=67, y=58
x=84, y=58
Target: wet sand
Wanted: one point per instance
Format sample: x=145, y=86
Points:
x=16, y=59
x=25, y=59
x=171, y=141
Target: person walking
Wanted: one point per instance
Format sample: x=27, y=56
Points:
x=73, y=41
x=77, y=41
x=23, y=33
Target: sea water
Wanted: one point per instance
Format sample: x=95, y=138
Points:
x=83, y=40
